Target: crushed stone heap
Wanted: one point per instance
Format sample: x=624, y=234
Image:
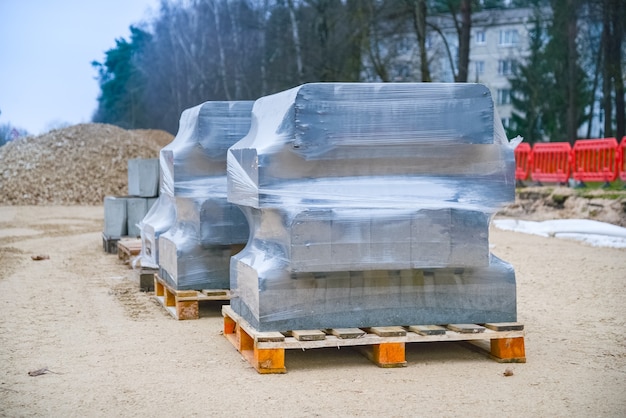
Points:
x=78, y=165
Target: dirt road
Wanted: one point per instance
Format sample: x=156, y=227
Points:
x=115, y=352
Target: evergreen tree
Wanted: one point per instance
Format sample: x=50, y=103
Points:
x=120, y=101
x=550, y=91
x=528, y=87
x=565, y=107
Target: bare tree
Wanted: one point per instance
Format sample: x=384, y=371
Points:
x=572, y=79
x=615, y=13
x=419, y=14
x=220, y=47
x=233, y=13
x=296, y=40
x=461, y=9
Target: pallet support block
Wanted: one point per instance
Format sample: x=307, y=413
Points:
x=186, y=309
x=159, y=289
x=269, y=360
x=508, y=350
x=264, y=360
x=387, y=355
x=182, y=304
x=146, y=279
x=229, y=326
x=170, y=300
x=109, y=244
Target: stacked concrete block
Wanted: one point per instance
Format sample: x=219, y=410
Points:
x=136, y=208
x=143, y=190
x=123, y=214
x=369, y=205
x=115, y=217
x=143, y=177
x=193, y=230
x=158, y=220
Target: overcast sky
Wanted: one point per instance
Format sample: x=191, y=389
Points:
x=46, y=50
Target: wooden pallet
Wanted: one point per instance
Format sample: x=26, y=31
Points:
x=184, y=304
x=385, y=346
x=127, y=249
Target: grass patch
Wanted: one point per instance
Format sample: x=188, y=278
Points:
x=616, y=195
x=559, y=199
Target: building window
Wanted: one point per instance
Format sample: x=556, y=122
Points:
x=506, y=67
x=509, y=37
x=504, y=96
x=479, y=67
x=480, y=37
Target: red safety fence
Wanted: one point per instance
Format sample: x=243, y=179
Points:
x=622, y=161
x=523, y=160
x=595, y=160
x=551, y=162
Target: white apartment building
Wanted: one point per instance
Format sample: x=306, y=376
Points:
x=499, y=41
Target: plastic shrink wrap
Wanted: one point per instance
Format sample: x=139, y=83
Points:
x=369, y=205
x=192, y=230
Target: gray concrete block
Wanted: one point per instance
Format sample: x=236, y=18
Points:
x=271, y=302
x=152, y=201
x=136, y=209
x=310, y=239
x=186, y=265
x=115, y=216
x=143, y=177
x=159, y=219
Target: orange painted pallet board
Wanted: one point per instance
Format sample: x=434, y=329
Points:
x=385, y=346
x=184, y=304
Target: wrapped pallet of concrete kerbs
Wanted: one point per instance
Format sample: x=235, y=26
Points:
x=192, y=230
x=369, y=205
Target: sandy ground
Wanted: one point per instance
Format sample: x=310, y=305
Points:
x=118, y=353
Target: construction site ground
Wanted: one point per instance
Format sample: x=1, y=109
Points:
x=113, y=350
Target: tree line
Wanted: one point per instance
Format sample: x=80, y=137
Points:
x=199, y=50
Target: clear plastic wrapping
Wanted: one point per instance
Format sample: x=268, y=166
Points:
x=192, y=230
x=273, y=300
x=384, y=180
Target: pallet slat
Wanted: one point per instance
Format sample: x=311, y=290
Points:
x=466, y=328
x=428, y=329
x=308, y=335
x=388, y=331
x=505, y=326
x=346, y=333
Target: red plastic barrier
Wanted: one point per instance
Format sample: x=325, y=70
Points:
x=622, y=159
x=523, y=161
x=595, y=160
x=551, y=162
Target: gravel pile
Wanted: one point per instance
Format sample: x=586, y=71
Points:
x=78, y=165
